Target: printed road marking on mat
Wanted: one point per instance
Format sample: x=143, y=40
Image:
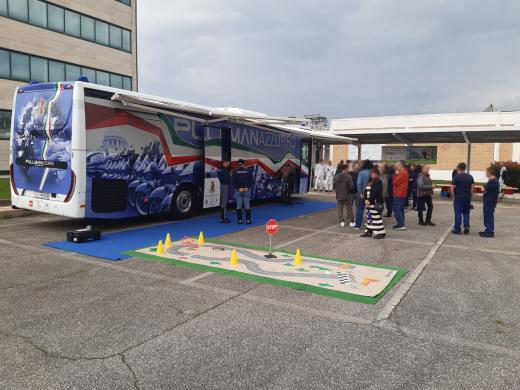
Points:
x=314, y=274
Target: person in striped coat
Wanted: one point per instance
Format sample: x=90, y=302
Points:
x=373, y=197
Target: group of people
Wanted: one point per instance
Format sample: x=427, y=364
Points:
x=240, y=180
x=324, y=176
x=370, y=189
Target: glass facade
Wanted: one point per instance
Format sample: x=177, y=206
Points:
x=25, y=67
x=50, y=16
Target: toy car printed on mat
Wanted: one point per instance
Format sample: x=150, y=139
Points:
x=332, y=277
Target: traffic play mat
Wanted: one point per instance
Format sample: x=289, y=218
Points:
x=350, y=280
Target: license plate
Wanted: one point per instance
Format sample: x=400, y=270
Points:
x=42, y=195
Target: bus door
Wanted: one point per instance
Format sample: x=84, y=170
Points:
x=217, y=148
x=305, y=167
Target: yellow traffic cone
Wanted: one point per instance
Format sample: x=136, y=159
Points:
x=168, y=241
x=234, y=258
x=160, y=248
x=297, y=258
x=201, y=240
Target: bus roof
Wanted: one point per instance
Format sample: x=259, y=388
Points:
x=208, y=114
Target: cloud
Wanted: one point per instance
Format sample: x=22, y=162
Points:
x=339, y=58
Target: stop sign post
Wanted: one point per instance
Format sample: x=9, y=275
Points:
x=271, y=228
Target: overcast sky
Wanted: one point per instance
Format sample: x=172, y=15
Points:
x=340, y=58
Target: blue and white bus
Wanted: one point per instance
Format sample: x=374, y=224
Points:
x=86, y=151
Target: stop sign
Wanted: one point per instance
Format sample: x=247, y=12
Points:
x=271, y=227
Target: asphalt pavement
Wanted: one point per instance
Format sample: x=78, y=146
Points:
x=69, y=321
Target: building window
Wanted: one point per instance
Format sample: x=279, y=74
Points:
x=72, y=24
x=5, y=124
x=24, y=67
x=39, y=69
x=127, y=2
x=38, y=13
x=20, y=69
x=127, y=83
x=115, y=37
x=73, y=72
x=116, y=81
x=3, y=7
x=103, y=78
x=90, y=74
x=56, y=18
x=18, y=9
x=127, y=43
x=56, y=71
x=88, y=30
x=5, y=64
x=53, y=17
x=101, y=33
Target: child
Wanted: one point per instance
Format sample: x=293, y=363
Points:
x=491, y=191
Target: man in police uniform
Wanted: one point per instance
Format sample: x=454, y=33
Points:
x=243, y=182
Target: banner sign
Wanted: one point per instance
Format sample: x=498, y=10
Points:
x=424, y=154
x=211, y=192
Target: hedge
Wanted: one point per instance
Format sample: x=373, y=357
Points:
x=513, y=172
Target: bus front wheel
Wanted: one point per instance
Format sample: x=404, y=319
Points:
x=183, y=203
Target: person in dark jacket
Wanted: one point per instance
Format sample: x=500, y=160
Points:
x=462, y=186
x=242, y=182
x=491, y=192
x=287, y=175
x=417, y=170
x=340, y=167
x=354, y=202
x=344, y=187
x=424, y=197
x=224, y=176
x=373, y=198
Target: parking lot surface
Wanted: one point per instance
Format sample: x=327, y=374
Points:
x=453, y=322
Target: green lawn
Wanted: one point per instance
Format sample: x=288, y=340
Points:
x=5, y=191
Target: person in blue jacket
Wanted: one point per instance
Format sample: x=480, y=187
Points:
x=491, y=192
x=362, y=180
x=242, y=182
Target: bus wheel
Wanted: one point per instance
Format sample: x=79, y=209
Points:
x=140, y=203
x=183, y=203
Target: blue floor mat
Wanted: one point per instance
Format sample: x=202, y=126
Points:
x=111, y=245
